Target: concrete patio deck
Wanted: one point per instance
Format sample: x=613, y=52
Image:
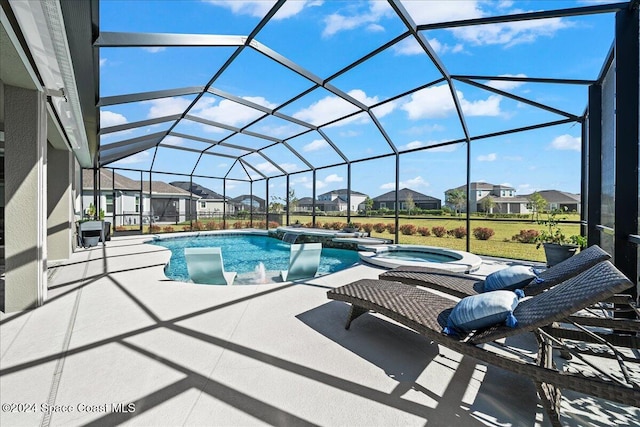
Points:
x=115, y=332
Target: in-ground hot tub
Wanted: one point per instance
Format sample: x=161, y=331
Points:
x=391, y=256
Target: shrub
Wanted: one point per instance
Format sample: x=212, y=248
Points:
x=459, y=232
x=483, y=233
x=357, y=225
x=439, y=231
x=368, y=227
x=391, y=228
x=274, y=224
x=260, y=224
x=338, y=225
x=197, y=226
x=408, y=229
x=326, y=226
x=154, y=229
x=238, y=224
x=121, y=228
x=319, y=224
x=526, y=236
x=424, y=231
x=211, y=225
x=167, y=229
x=186, y=228
x=380, y=227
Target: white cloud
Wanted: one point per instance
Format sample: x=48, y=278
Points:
x=508, y=34
x=223, y=165
x=103, y=61
x=140, y=157
x=414, y=144
x=267, y=167
x=333, y=178
x=417, y=182
x=511, y=33
x=566, y=142
x=409, y=46
x=491, y=157
x=229, y=112
x=337, y=22
x=441, y=11
x=315, y=145
x=173, y=140
x=325, y=110
x=109, y=118
x=167, y=106
x=419, y=130
x=154, y=49
x=419, y=144
x=505, y=84
x=436, y=102
x=259, y=8
x=331, y=107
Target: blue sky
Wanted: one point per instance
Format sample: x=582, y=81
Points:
x=323, y=37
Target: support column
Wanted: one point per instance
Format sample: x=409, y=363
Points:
x=25, y=198
x=627, y=134
x=59, y=204
x=594, y=165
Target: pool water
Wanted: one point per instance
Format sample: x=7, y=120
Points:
x=243, y=253
x=417, y=256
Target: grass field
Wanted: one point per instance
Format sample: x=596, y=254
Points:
x=499, y=245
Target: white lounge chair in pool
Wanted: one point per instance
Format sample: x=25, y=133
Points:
x=205, y=266
x=303, y=261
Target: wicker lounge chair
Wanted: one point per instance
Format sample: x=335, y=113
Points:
x=427, y=313
x=462, y=285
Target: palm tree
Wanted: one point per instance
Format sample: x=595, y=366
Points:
x=457, y=198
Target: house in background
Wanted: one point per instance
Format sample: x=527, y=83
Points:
x=305, y=204
x=422, y=201
x=504, y=199
x=502, y=195
x=337, y=201
x=210, y=203
x=245, y=201
x=560, y=200
x=126, y=201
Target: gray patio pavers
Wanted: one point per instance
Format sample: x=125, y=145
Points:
x=116, y=331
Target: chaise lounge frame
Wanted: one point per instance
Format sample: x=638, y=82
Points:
x=462, y=285
x=426, y=313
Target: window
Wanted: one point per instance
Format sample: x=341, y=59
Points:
x=137, y=204
x=383, y=205
x=203, y=205
x=109, y=203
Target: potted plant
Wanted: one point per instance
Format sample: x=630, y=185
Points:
x=557, y=246
x=350, y=228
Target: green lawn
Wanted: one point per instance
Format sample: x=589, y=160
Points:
x=500, y=244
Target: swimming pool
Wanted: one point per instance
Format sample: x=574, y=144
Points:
x=243, y=252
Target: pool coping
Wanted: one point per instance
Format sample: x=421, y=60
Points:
x=466, y=262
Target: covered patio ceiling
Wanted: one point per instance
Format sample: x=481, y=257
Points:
x=254, y=90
